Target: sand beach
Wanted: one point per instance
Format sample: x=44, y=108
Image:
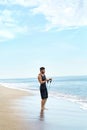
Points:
x=20, y=110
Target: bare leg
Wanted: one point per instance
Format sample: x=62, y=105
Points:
x=42, y=104
x=45, y=103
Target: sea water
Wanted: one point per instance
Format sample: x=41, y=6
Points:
x=73, y=88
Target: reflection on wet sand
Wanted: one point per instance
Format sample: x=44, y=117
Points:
x=41, y=115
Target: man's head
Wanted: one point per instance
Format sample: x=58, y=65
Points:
x=42, y=70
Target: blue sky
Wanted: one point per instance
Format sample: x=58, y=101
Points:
x=50, y=33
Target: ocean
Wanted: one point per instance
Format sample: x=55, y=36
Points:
x=72, y=88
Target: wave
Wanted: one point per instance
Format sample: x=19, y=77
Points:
x=79, y=100
x=21, y=86
x=35, y=90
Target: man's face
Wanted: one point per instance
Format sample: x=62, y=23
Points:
x=43, y=71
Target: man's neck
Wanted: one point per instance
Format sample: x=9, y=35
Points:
x=42, y=74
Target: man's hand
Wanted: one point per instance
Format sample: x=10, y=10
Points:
x=49, y=80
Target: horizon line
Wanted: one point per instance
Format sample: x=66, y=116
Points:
x=48, y=76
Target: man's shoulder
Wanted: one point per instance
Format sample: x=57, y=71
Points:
x=39, y=75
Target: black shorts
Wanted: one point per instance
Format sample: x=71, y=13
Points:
x=43, y=92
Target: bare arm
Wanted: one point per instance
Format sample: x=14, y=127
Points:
x=40, y=80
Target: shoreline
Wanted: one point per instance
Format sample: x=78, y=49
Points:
x=20, y=110
x=69, y=98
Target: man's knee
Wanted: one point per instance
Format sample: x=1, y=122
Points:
x=43, y=100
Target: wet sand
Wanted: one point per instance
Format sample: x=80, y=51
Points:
x=9, y=121
x=19, y=110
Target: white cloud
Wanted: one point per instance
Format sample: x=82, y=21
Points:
x=6, y=16
x=9, y=25
x=59, y=14
x=5, y=19
x=5, y=34
x=25, y=3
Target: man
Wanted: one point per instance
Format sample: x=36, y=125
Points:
x=43, y=89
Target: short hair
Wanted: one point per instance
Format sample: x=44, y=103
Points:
x=42, y=68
